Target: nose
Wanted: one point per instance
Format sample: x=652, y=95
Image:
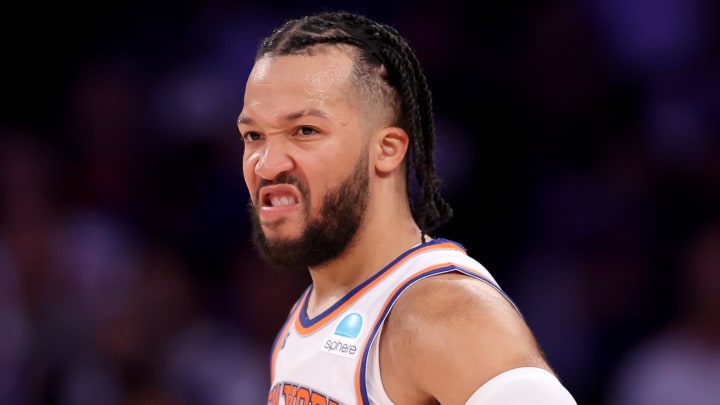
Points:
x=273, y=160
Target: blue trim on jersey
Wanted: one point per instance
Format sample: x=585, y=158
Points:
x=307, y=322
x=388, y=307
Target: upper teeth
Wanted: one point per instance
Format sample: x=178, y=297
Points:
x=278, y=201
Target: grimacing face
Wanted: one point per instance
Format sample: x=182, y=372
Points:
x=305, y=161
x=326, y=236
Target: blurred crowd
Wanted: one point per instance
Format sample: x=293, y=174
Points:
x=579, y=142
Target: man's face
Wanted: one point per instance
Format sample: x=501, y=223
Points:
x=305, y=161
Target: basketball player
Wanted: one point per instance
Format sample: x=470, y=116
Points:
x=337, y=119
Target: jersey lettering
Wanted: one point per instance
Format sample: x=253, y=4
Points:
x=292, y=394
x=339, y=346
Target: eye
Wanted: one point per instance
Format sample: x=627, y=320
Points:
x=306, y=131
x=250, y=136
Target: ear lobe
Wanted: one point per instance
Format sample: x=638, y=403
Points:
x=392, y=144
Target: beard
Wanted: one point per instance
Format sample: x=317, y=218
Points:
x=326, y=237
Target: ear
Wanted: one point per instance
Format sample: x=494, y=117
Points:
x=390, y=144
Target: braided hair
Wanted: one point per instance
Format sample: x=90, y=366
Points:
x=403, y=85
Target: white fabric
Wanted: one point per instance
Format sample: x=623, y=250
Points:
x=522, y=386
x=375, y=389
x=332, y=357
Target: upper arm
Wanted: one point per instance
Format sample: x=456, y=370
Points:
x=447, y=335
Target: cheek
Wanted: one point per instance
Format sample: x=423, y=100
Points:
x=250, y=178
x=248, y=169
x=329, y=174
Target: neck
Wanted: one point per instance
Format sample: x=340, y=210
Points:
x=373, y=248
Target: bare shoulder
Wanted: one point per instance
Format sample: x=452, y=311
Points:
x=447, y=335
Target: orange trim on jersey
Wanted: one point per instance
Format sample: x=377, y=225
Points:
x=389, y=301
x=358, y=377
x=328, y=317
x=283, y=331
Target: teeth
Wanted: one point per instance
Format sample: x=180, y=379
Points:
x=282, y=201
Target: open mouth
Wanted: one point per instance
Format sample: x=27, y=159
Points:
x=279, y=201
x=281, y=195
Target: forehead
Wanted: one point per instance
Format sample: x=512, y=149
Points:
x=320, y=78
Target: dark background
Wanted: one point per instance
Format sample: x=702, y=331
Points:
x=578, y=141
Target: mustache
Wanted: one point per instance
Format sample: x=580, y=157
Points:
x=283, y=178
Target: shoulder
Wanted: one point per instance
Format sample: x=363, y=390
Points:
x=449, y=334
x=457, y=308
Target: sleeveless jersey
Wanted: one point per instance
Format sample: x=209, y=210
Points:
x=332, y=359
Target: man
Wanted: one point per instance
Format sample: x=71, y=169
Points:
x=337, y=119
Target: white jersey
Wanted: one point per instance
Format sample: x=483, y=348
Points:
x=333, y=358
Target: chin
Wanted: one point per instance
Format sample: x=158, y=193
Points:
x=276, y=235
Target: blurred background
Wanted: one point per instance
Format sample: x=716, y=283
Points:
x=578, y=140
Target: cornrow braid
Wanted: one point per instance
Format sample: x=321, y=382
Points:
x=380, y=46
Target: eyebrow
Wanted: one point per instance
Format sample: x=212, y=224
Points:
x=308, y=112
